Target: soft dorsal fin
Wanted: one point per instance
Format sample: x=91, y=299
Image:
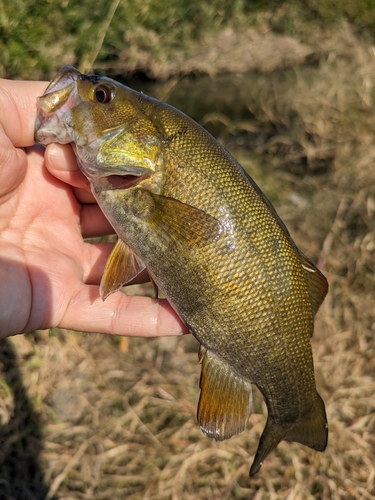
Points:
x=225, y=401
x=122, y=266
x=316, y=282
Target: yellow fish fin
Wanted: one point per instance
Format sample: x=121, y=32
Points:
x=273, y=433
x=310, y=430
x=155, y=288
x=225, y=401
x=122, y=266
x=316, y=282
x=176, y=222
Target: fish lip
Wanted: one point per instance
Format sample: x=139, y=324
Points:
x=59, y=93
x=56, y=100
x=66, y=75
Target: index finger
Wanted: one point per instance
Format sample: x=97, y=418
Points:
x=18, y=109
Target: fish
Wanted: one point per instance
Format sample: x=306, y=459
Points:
x=186, y=211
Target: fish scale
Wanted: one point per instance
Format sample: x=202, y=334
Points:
x=185, y=210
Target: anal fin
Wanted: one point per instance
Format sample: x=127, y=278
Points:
x=122, y=266
x=225, y=401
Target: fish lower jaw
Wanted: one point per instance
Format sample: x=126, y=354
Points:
x=48, y=130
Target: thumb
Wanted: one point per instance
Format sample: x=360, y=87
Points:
x=12, y=166
x=17, y=118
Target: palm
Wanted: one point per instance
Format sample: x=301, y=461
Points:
x=44, y=249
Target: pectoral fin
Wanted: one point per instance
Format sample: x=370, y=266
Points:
x=122, y=266
x=155, y=288
x=225, y=401
x=175, y=222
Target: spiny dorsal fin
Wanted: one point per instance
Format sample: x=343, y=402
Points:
x=122, y=266
x=225, y=401
x=316, y=283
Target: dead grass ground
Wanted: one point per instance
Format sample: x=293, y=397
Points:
x=85, y=416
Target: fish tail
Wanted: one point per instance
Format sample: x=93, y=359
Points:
x=272, y=434
x=311, y=430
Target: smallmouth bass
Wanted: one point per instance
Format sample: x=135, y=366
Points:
x=185, y=210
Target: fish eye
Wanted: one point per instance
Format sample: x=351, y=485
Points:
x=104, y=93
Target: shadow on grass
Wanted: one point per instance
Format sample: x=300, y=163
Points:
x=21, y=474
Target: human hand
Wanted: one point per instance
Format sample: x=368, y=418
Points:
x=49, y=276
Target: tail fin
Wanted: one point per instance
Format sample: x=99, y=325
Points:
x=273, y=433
x=310, y=430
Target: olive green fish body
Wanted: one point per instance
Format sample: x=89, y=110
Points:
x=234, y=273
x=212, y=242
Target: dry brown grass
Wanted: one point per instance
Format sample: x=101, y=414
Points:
x=86, y=416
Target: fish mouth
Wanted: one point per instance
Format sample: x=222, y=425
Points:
x=59, y=97
x=66, y=76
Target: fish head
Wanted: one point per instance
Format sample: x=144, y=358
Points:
x=115, y=143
